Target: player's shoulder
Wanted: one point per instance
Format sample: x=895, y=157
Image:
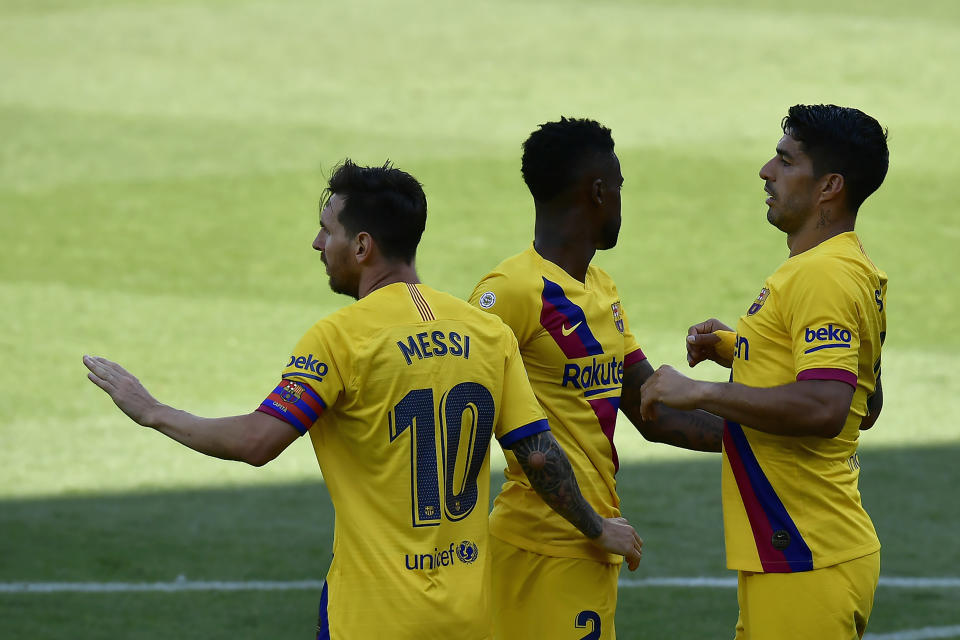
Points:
x=600, y=279
x=514, y=277
x=844, y=257
x=336, y=328
x=489, y=328
x=838, y=266
x=357, y=321
x=451, y=307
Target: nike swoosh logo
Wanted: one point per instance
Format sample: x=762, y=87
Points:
x=566, y=331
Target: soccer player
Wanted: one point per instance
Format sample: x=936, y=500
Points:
x=580, y=356
x=401, y=393
x=805, y=381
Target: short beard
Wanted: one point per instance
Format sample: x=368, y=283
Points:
x=344, y=288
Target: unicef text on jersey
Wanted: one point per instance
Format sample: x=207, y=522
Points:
x=466, y=552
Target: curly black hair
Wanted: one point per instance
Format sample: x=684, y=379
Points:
x=556, y=151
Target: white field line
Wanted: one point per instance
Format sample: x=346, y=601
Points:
x=926, y=633
x=182, y=584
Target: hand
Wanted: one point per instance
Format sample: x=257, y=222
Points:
x=710, y=340
x=124, y=389
x=672, y=388
x=620, y=538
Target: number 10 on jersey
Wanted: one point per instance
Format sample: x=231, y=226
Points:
x=465, y=417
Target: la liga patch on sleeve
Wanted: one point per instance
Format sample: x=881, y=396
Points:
x=295, y=403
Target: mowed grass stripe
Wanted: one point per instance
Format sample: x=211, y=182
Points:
x=296, y=585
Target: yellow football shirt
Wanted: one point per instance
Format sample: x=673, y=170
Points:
x=401, y=393
x=793, y=503
x=575, y=342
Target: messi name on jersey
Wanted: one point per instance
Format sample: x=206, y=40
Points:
x=434, y=343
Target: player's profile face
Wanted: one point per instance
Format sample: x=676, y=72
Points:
x=333, y=243
x=789, y=182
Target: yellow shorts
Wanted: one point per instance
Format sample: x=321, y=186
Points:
x=543, y=597
x=832, y=603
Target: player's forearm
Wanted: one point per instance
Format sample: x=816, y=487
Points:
x=806, y=408
x=552, y=477
x=695, y=430
x=226, y=438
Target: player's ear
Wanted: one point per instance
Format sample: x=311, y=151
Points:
x=362, y=247
x=597, y=191
x=831, y=186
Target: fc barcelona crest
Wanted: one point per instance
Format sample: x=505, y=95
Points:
x=291, y=392
x=759, y=301
x=617, y=317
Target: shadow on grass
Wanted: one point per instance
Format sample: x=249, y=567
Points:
x=285, y=533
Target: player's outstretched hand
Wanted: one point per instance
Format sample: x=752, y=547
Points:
x=124, y=389
x=710, y=340
x=621, y=538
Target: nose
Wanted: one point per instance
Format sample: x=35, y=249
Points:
x=318, y=242
x=765, y=172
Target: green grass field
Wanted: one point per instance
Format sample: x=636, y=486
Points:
x=160, y=165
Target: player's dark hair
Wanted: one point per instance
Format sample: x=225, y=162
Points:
x=842, y=140
x=386, y=202
x=555, y=153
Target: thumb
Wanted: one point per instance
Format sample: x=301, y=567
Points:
x=703, y=339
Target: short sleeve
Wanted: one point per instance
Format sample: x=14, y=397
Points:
x=823, y=317
x=508, y=298
x=632, y=353
x=520, y=413
x=309, y=383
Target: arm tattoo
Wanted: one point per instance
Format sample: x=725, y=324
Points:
x=696, y=430
x=551, y=475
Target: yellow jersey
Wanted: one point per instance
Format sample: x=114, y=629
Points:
x=401, y=393
x=575, y=342
x=793, y=503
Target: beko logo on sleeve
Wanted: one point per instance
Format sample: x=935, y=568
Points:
x=309, y=363
x=834, y=337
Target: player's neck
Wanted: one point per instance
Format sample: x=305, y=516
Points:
x=571, y=254
x=385, y=274
x=819, y=227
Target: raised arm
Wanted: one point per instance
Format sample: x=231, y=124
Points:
x=696, y=430
x=255, y=438
x=552, y=477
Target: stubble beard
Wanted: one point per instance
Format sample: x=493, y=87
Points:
x=341, y=286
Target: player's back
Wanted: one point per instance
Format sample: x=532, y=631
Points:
x=414, y=384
